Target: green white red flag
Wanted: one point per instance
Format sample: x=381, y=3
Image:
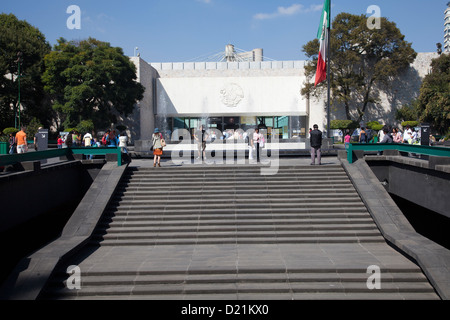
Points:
x=322, y=35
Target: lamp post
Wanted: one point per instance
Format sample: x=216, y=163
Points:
x=19, y=61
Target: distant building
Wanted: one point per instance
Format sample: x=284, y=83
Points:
x=447, y=29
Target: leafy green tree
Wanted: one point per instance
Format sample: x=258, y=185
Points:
x=434, y=99
x=410, y=112
x=89, y=79
x=361, y=60
x=19, y=36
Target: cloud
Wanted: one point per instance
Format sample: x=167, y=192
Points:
x=204, y=1
x=287, y=11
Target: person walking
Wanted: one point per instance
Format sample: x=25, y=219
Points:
x=316, y=145
x=157, y=147
x=21, y=141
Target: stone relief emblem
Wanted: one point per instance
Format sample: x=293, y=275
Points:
x=232, y=95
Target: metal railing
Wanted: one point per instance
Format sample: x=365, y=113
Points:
x=55, y=153
x=416, y=149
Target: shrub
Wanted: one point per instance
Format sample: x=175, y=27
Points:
x=412, y=124
x=7, y=131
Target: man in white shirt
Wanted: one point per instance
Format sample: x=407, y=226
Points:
x=87, y=139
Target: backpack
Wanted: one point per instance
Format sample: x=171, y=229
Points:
x=104, y=142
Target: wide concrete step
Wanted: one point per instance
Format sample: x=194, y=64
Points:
x=300, y=200
x=314, y=239
x=124, y=222
x=207, y=284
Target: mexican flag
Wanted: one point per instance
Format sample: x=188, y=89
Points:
x=322, y=35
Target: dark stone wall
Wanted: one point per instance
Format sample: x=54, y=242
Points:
x=30, y=194
x=424, y=187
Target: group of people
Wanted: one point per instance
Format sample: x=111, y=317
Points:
x=110, y=139
x=201, y=136
x=18, y=142
x=387, y=136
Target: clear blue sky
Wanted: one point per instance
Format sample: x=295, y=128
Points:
x=182, y=30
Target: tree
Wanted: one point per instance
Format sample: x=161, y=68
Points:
x=361, y=60
x=88, y=80
x=434, y=99
x=19, y=36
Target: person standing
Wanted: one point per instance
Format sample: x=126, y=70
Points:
x=36, y=139
x=60, y=142
x=347, y=140
x=407, y=134
x=157, y=147
x=316, y=145
x=200, y=137
x=12, y=143
x=21, y=141
x=363, y=136
x=123, y=140
x=256, y=141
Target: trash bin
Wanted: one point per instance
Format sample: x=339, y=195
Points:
x=42, y=139
x=425, y=134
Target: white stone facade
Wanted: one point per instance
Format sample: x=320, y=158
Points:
x=267, y=88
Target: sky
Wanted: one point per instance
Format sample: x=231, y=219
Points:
x=193, y=30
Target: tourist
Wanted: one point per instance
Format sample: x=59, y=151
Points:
x=248, y=140
x=111, y=139
x=59, y=142
x=407, y=135
x=69, y=140
x=12, y=143
x=316, y=145
x=36, y=138
x=397, y=136
x=123, y=139
x=386, y=136
x=381, y=134
x=347, y=140
x=362, y=136
x=87, y=139
x=157, y=147
x=200, y=137
x=256, y=141
x=21, y=141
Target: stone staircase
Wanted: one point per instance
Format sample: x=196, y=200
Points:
x=210, y=232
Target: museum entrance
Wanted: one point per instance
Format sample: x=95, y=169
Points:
x=288, y=127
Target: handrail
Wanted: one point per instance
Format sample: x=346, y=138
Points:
x=54, y=153
x=425, y=150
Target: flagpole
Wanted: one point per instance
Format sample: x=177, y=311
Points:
x=328, y=76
